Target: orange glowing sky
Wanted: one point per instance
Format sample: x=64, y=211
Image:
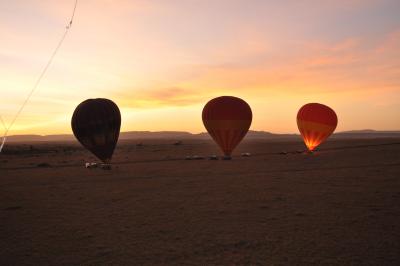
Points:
x=161, y=61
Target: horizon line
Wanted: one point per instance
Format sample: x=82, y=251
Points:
x=205, y=132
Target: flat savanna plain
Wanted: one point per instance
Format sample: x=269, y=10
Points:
x=339, y=206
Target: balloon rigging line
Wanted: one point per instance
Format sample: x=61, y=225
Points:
x=35, y=86
x=3, y=140
x=2, y=122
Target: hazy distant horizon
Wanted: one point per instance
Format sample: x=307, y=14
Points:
x=204, y=131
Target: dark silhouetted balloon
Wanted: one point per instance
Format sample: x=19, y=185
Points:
x=96, y=124
x=227, y=119
x=316, y=123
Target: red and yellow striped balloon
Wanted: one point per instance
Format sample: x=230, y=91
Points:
x=227, y=119
x=316, y=123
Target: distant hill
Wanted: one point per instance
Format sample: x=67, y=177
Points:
x=255, y=135
x=370, y=131
x=177, y=135
x=27, y=138
x=156, y=135
x=367, y=133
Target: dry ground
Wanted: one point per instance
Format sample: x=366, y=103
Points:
x=340, y=206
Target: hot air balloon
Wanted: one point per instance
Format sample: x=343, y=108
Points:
x=96, y=124
x=316, y=123
x=227, y=119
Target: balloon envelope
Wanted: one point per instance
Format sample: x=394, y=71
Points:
x=96, y=124
x=316, y=122
x=227, y=119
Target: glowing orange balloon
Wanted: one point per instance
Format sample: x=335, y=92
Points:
x=227, y=119
x=316, y=123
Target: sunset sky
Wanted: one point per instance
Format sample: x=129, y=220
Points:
x=162, y=60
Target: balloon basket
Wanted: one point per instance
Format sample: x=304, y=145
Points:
x=91, y=165
x=104, y=166
x=213, y=158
